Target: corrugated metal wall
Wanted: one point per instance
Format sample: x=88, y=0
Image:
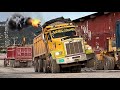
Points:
x=97, y=29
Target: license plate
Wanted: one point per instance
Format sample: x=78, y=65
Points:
x=61, y=60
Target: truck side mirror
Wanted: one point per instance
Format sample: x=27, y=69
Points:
x=43, y=37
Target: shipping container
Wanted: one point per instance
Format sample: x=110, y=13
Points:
x=96, y=28
x=102, y=32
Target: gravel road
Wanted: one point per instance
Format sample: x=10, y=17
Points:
x=8, y=72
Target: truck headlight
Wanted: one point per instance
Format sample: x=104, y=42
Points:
x=89, y=48
x=58, y=53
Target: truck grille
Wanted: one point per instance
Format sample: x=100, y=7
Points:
x=74, y=48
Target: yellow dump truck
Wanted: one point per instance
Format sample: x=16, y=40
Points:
x=57, y=48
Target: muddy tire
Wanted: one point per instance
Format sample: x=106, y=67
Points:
x=112, y=64
x=101, y=64
x=93, y=63
x=36, y=65
x=40, y=65
x=98, y=64
x=90, y=63
x=44, y=66
x=107, y=63
x=55, y=68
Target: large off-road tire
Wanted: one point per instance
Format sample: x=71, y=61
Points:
x=112, y=63
x=98, y=65
x=44, y=66
x=90, y=63
x=40, y=65
x=101, y=64
x=55, y=68
x=36, y=65
x=107, y=63
x=92, y=60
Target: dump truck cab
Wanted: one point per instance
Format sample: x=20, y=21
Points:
x=58, y=47
x=64, y=46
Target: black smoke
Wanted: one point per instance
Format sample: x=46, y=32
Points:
x=18, y=22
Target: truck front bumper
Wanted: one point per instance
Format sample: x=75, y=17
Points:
x=72, y=59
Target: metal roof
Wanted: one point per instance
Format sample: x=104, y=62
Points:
x=90, y=16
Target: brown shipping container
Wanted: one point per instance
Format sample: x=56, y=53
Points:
x=97, y=28
x=38, y=46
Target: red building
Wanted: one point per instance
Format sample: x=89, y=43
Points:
x=97, y=27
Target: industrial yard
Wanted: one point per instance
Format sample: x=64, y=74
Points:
x=86, y=47
x=9, y=72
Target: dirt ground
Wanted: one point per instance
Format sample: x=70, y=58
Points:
x=8, y=72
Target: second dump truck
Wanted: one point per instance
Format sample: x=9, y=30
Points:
x=19, y=55
x=57, y=47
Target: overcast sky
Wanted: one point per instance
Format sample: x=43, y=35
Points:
x=45, y=16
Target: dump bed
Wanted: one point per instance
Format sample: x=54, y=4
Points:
x=19, y=52
x=11, y=52
x=39, y=46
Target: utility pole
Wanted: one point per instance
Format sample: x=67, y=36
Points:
x=6, y=35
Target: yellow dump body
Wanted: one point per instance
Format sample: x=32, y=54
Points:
x=55, y=41
x=38, y=46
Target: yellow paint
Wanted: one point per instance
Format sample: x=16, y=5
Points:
x=55, y=44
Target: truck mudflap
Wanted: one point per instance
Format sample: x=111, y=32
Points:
x=72, y=59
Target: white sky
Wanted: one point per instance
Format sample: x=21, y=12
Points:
x=45, y=16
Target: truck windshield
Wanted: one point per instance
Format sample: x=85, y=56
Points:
x=63, y=33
